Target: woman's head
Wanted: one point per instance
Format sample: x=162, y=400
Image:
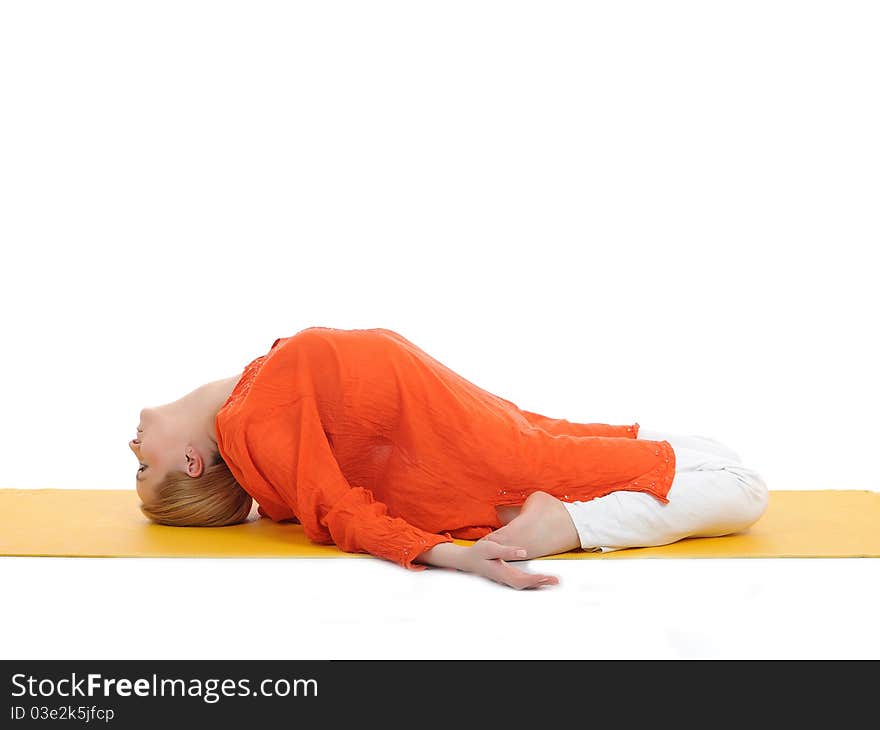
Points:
x=213, y=499
x=182, y=479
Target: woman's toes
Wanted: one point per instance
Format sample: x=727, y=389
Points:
x=494, y=537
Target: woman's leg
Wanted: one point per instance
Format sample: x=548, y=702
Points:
x=712, y=494
x=542, y=526
x=691, y=442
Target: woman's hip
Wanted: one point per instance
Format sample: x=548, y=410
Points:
x=692, y=451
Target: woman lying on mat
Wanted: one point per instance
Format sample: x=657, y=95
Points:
x=373, y=445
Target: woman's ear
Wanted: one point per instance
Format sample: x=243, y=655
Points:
x=195, y=465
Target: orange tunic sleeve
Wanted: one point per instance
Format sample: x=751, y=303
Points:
x=560, y=427
x=330, y=509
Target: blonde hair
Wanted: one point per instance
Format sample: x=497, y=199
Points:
x=212, y=500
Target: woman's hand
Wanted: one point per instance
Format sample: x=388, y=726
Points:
x=487, y=558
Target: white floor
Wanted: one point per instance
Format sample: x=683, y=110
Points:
x=121, y=608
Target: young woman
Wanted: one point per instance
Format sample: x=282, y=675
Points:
x=373, y=445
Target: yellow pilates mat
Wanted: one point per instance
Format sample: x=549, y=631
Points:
x=98, y=523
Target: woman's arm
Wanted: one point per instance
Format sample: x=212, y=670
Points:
x=488, y=559
x=444, y=555
x=573, y=428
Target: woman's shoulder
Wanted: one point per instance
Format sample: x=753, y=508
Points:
x=317, y=336
x=322, y=351
x=320, y=331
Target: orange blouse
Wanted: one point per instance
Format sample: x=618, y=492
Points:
x=374, y=446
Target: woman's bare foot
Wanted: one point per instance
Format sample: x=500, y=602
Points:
x=507, y=513
x=543, y=527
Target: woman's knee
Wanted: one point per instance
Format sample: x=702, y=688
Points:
x=720, y=502
x=756, y=495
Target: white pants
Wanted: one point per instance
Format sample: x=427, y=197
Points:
x=712, y=494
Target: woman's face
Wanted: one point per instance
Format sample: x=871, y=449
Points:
x=158, y=447
x=178, y=436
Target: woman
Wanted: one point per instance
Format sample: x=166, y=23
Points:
x=373, y=445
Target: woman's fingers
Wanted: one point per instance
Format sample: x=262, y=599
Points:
x=491, y=549
x=519, y=579
x=491, y=561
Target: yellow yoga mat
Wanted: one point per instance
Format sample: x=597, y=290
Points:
x=98, y=523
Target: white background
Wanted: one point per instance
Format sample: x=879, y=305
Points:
x=645, y=212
